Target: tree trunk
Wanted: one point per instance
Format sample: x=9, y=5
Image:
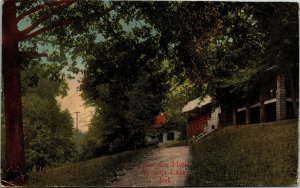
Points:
x=293, y=93
x=14, y=154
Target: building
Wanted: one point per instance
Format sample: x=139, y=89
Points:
x=159, y=133
x=169, y=136
x=273, y=104
x=201, y=116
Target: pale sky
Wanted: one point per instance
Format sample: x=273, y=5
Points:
x=74, y=103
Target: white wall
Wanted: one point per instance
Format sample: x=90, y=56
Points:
x=165, y=136
x=176, y=136
x=214, y=119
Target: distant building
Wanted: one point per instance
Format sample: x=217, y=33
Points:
x=159, y=120
x=170, y=136
x=167, y=134
x=201, y=116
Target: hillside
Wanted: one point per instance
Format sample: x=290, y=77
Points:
x=262, y=154
x=100, y=171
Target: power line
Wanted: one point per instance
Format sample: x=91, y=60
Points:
x=87, y=116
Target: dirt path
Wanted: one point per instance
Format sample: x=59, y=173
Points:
x=162, y=167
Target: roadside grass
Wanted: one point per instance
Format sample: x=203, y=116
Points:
x=175, y=143
x=247, y=155
x=95, y=172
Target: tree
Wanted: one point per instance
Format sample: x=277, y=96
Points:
x=15, y=156
x=38, y=13
x=48, y=131
x=185, y=30
x=257, y=42
x=176, y=97
x=280, y=24
x=235, y=59
x=126, y=84
x=229, y=55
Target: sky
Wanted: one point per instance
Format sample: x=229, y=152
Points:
x=74, y=103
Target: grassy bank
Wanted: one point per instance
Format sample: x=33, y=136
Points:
x=265, y=154
x=175, y=143
x=95, y=172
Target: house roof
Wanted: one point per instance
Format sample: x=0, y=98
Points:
x=159, y=120
x=196, y=103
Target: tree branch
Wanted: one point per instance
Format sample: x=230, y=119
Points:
x=47, y=41
x=40, y=7
x=48, y=27
x=33, y=54
x=59, y=24
x=39, y=21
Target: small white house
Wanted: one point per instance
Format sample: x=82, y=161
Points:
x=171, y=136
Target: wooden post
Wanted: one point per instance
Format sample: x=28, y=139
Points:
x=280, y=98
x=248, y=115
x=262, y=103
x=222, y=117
x=234, y=117
x=77, y=128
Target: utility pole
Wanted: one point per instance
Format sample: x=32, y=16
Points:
x=77, y=130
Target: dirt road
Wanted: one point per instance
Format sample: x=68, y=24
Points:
x=162, y=167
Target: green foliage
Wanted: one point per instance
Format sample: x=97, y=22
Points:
x=280, y=24
x=92, y=145
x=70, y=31
x=185, y=29
x=48, y=131
x=253, y=155
x=254, y=46
x=236, y=58
x=177, y=96
x=228, y=56
x=127, y=85
x=223, y=48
